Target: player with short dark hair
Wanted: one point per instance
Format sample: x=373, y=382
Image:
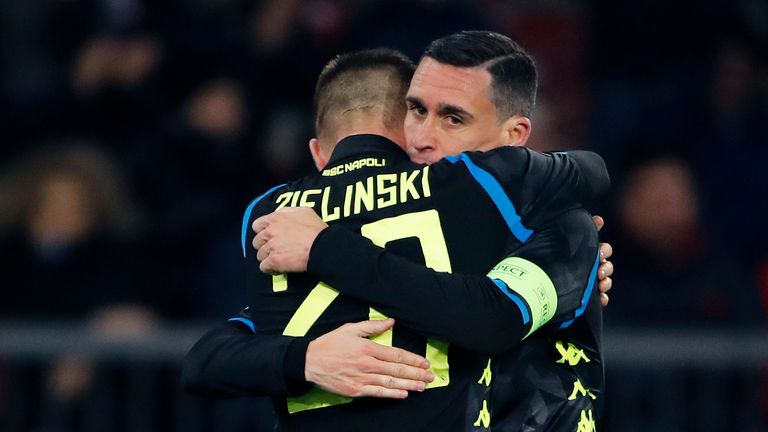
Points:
x=513, y=73
x=362, y=83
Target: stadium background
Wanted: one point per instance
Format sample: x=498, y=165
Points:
x=134, y=132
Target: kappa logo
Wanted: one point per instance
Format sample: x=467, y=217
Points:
x=579, y=389
x=572, y=354
x=587, y=422
x=487, y=375
x=484, y=418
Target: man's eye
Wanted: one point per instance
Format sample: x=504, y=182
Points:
x=454, y=121
x=420, y=110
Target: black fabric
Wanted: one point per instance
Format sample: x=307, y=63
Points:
x=295, y=360
x=401, y=288
x=230, y=361
x=370, y=187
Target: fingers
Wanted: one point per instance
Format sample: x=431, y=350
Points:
x=386, y=353
x=400, y=356
x=605, y=285
x=599, y=222
x=391, y=382
x=263, y=252
x=267, y=266
x=385, y=382
x=606, y=250
x=383, y=392
x=371, y=327
x=259, y=224
x=260, y=239
x=415, y=375
x=604, y=299
x=605, y=270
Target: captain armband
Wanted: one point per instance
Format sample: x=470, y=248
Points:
x=528, y=281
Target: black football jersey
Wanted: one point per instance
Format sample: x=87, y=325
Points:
x=511, y=213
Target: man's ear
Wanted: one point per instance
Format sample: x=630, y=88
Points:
x=318, y=155
x=516, y=130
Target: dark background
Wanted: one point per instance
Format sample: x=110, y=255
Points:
x=135, y=132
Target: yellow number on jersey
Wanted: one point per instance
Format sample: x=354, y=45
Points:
x=425, y=226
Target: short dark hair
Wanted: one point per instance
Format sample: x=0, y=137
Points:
x=513, y=72
x=363, y=80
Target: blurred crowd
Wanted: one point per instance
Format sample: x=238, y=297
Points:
x=135, y=132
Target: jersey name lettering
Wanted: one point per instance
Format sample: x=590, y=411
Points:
x=369, y=194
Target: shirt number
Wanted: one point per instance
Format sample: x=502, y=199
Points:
x=425, y=226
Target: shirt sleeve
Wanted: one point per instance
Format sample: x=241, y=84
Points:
x=477, y=312
x=232, y=360
x=235, y=359
x=596, y=181
x=573, y=179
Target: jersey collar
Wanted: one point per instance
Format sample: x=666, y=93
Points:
x=364, y=145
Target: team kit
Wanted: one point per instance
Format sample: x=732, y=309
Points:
x=428, y=209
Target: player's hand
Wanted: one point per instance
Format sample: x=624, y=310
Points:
x=346, y=363
x=605, y=271
x=284, y=238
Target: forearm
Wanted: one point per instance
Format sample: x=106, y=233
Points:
x=466, y=310
x=230, y=361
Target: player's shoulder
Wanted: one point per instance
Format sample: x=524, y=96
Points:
x=265, y=199
x=264, y=203
x=583, y=171
x=514, y=167
x=505, y=163
x=593, y=172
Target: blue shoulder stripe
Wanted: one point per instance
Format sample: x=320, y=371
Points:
x=498, y=196
x=249, y=209
x=245, y=321
x=587, y=293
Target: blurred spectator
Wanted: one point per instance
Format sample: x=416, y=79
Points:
x=289, y=43
x=117, y=87
x=68, y=227
x=74, y=380
x=196, y=186
x=731, y=149
x=119, y=62
x=218, y=110
x=668, y=272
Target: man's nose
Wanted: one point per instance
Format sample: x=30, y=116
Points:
x=425, y=137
